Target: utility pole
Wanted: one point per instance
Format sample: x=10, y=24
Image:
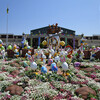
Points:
x=7, y=30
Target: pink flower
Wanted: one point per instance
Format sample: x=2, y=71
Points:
x=10, y=75
x=4, y=71
x=28, y=91
x=24, y=98
x=83, y=77
x=26, y=69
x=93, y=99
x=93, y=76
x=15, y=82
x=61, y=60
x=3, y=68
x=14, y=76
x=8, y=96
x=77, y=68
x=62, y=90
x=77, y=71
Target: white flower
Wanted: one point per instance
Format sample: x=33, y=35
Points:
x=15, y=97
x=98, y=75
x=3, y=94
x=20, y=83
x=21, y=71
x=71, y=87
x=76, y=98
x=4, y=83
x=24, y=78
x=92, y=83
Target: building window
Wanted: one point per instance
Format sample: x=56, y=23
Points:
x=3, y=36
x=76, y=43
x=20, y=37
x=86, y=37
x=10, y=36
x=42, y=39
x=35, y=42
x=28, y=39
x=62, y=39
x=70, y=42
x=95, y=37
x=90, y=38
x=15, y=37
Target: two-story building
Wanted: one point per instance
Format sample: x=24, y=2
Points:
x=93, y=40
x=11, y=38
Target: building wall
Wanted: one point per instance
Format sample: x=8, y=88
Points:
x=11, y=39
x=93, y=40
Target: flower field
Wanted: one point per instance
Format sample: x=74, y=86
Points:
x=18, y=82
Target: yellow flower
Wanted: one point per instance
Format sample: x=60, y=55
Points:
x=58, y=53
x=51, y=57
x=67, y=74
x=36, y=54
x=63, y=74
x=17, y=55
x=25, y=47
x=41, y=59
x=0, y=45
x=36, y=73
x=85, y=43
x=55, y=54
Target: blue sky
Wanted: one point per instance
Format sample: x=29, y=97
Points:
x=83, y=16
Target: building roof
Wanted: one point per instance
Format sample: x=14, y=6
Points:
x=6, y=34
x=45, y=29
